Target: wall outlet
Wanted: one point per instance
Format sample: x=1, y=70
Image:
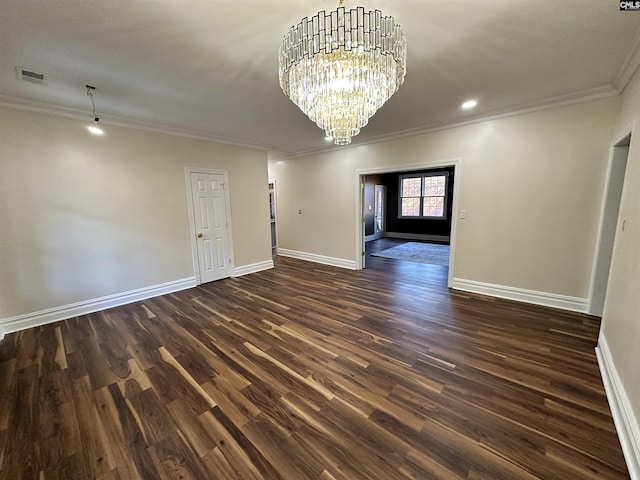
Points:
x=300, y=212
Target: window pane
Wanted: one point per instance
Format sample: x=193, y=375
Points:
x=411, y=187
x=427, y=206
x=434, y=186
x=433, y=207
x=428, y=186
x=411, y=207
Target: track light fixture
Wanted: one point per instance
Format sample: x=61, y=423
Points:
x=94, y=128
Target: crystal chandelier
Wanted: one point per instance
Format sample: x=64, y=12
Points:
x=341, y=66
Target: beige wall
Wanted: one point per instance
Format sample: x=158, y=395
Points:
x=83, y=217
x=532, y=186
x=621, y=319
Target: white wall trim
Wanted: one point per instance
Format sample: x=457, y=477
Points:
x=589, y=95
x=417, y=236
x=25, y=105
x=252, y=268
x=312, y=257
x=626, y=423
x=629, y=66
x=564, y=302
x=55, y=314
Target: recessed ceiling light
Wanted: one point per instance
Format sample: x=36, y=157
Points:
x=469, y=104
x=95, y=130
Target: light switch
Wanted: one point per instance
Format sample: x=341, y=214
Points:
x=463, y=214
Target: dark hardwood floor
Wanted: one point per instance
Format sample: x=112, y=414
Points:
x=309, y=372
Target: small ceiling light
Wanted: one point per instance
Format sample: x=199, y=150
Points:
x=95, y=128
x=469, y=104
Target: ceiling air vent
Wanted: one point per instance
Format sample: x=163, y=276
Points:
x=30, y=75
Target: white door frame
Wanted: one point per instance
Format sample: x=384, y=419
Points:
x=359, y=178
x=384, y=210
x=275, y=210
x=192, y=224
x=594, y=307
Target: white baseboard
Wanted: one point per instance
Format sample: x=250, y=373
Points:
x=312, y=257
x=42, y=317
x=575, y=304
x=417, y=236
x=252, y=268
x=621, y=410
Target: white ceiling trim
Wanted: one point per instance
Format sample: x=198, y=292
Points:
x=629, y=66
x=72, y=113
x=553, y=102
x=589, y=95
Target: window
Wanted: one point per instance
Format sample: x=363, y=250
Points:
x=423, y=195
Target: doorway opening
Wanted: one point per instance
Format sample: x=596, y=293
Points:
x=609, y=225
x=273, y=215
x=374, y=206
x=411, y=208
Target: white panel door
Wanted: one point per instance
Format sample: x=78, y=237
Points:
x=212, y=238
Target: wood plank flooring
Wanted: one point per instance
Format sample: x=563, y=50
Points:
x=309, y=372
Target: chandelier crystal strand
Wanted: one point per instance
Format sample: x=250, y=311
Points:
x=340, y=67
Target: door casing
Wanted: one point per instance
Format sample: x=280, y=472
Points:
x=192, y=224
x=359, y=201
x=376, y=203
x=615, y=181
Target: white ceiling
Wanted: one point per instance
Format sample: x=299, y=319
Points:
x=209, y=67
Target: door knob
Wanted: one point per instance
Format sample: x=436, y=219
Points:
x=199, y=235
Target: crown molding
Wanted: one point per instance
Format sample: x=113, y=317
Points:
x=545, y=104
x=629, y=66
x=23, y=104
x=582, y=96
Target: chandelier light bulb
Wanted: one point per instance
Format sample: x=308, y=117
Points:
x=341, y=66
